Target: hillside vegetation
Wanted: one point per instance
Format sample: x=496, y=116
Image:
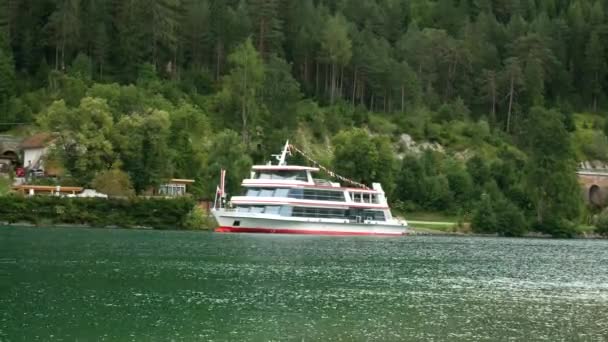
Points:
x=182, y=88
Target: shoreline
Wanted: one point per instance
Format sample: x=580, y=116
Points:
x=413, y=231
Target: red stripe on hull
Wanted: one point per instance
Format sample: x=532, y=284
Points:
x=227, y=229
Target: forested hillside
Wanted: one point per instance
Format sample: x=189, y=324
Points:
x=181, y=88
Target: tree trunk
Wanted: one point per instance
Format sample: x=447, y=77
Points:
x=354, y=87
x=511, y=91
x=261, y=41
x=595, y=95
x=402, y=99
x=385, y=100
x=362, y=94
x=540, y=210
x=244, y=111
x=57, y=57
x=595, y=103
x=63, y=42
x=317, y=78
x=244, y=119
x=493, y=111
x=340, y=94
x=218, y=60
x=333, y=83
x=327, y=80
x=372, y=103
x=306, y=69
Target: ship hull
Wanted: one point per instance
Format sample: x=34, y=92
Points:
x=240, y=224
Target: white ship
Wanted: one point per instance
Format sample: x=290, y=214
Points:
x=286, y=199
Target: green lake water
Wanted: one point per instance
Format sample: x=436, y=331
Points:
x=64, y=284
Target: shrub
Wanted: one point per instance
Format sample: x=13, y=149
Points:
x=601, y=223
x=5, y=185
x=509, y=219
x=197, y=219
x=113, y=182
x=484, y=219
x=556, y=227
x=154, y=212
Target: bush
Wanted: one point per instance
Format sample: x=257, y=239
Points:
x=484, y=219
x=114, y=183
x=154, y=213
x=509, y=219
x=5, y=185
x=197, y=219
x=556, y=227
x=601, y=223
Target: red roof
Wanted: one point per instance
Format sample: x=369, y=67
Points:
x=38, y=140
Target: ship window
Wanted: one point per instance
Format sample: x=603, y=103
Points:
x=296, y=193
x=236, y=223
x=317, y=195
x=283, y=175
x=274, y=209
x=375, y=215
x=357, y=197
x=281, y=193
x=256, y=209
x=266, y=193
x=253, y=192
x=286, y=211
x=318, y=212
x=323, y=195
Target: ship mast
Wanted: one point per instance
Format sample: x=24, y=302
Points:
x=281, y=157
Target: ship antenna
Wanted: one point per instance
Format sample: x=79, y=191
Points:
x=284, y=154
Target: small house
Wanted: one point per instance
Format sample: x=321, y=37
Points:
x=174, y=187
x=35, y=148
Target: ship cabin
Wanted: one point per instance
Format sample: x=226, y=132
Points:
x=292, y=191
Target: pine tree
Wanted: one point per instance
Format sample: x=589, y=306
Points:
x=595, y=65
x=195, y=33
x=243, y=84
x=64, y=24
x=267, y=25
x=337, y=48
x=513, y=80
x=550, y=171
x=7, y=84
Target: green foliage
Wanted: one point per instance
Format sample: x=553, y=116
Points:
x=601, y=223
x=484, y=218
x=242, y=86
x=114, y=183
x=5, y=185
x=162, y=85
x=82, y=68
x=498, y=217
x=84, y=142
x=197, y=219
x=142, y=144
x=229, y=153
x=550, y=173
x=510, y=221
x=363, y=158
x=134, y=212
